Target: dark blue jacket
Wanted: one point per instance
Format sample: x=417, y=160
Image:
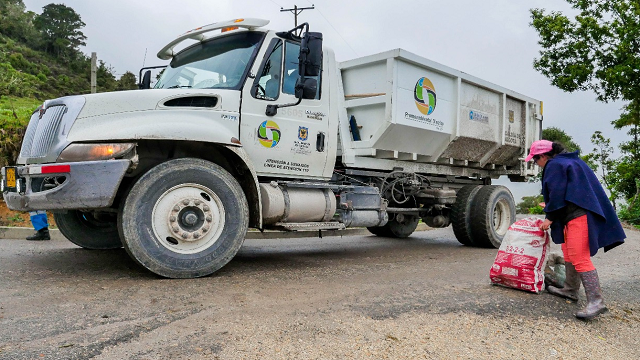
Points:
x=566, y=178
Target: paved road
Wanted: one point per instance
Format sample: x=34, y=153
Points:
x=360, y=297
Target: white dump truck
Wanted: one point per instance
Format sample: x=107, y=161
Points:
x=251, y=128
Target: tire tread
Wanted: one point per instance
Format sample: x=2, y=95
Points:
x=461, y=212
x=482, y=227
x=87, y=237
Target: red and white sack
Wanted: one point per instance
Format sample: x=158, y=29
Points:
x=522, y=256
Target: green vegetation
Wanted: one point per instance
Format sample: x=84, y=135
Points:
x=530, y=205
x=558, y=135
x=630, y=214
x=40, y=59
x=14, y=116
x=598, y=50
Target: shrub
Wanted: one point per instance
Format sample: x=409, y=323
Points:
x=44, y=69
x=20, y=63
x=630, y=215
x=536, y=210
x=527, y=203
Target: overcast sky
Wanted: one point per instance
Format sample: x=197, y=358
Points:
x=490, y=39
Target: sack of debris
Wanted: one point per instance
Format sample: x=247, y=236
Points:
x=522, y=256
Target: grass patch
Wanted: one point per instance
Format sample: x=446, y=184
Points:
x=21, y=107
x=14, y=117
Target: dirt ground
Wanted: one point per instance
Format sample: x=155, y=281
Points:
x=355, y=297
x=18, y=218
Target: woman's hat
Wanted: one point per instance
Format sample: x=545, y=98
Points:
x=539, y=147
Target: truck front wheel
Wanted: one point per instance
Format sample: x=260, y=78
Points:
x=89, y=231
x=494, y=211
x=185, y=218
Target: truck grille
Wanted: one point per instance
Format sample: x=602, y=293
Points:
x=42, y=132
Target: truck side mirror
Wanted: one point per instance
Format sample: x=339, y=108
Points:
x=146, y=80
x=310, y=59
x=309, y=65
x=306, y=88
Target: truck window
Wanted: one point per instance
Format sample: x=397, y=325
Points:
x=220, y=63
x=291, y=53
x=267, y=85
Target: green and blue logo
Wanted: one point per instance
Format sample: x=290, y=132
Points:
x=425, y=96
x=269, y=134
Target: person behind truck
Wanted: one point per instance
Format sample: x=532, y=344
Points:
x=580, y=217
x=40, y=224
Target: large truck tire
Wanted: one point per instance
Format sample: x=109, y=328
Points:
x=84, y=230
x=401, y=226
x=184, y=218
x=494, y=210
x=461, y=214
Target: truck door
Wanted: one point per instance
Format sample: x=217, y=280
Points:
x=293, y=143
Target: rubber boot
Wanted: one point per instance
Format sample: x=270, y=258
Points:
x=571, y=284
x=595, y=303
x=42, y=234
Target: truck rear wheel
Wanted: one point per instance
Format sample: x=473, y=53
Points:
x=88, y=231
x=461, y=214
x=184, y=218
x=494, y=211
x=401, y=226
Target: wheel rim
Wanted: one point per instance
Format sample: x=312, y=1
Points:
x=188, y=218
x=501, y=217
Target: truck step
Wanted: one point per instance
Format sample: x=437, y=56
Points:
x=310, y=226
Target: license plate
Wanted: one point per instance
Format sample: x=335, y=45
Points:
x=10, y=177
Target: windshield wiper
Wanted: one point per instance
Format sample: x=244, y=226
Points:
x=179, y=86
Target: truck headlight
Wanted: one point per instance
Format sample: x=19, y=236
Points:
x=89, y=152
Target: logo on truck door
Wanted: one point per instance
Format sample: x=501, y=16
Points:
x=269, y=134
x=303, y=133
x=425, y=96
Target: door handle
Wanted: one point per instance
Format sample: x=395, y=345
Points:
x=320, y=142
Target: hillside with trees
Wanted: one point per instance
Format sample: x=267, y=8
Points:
x=40, y=58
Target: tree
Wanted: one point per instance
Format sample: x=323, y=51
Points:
x=127, y=82
x=598, y=50
x=630, y=117
x=105, y=80
x=60, y=28
x=628, y=167
x=558, y=135
x=600, y=159
x=10, y=13
x=16, y=23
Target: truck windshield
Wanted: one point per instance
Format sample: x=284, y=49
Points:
x=220, y=63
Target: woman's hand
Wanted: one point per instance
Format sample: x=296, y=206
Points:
x=546, y=224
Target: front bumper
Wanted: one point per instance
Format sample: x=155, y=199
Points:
x=87, y=185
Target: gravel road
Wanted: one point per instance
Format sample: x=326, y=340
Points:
x=357, y=297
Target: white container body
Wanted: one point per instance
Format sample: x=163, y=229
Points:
x=425, y=117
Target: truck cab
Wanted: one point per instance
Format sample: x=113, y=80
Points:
x=261, y=69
